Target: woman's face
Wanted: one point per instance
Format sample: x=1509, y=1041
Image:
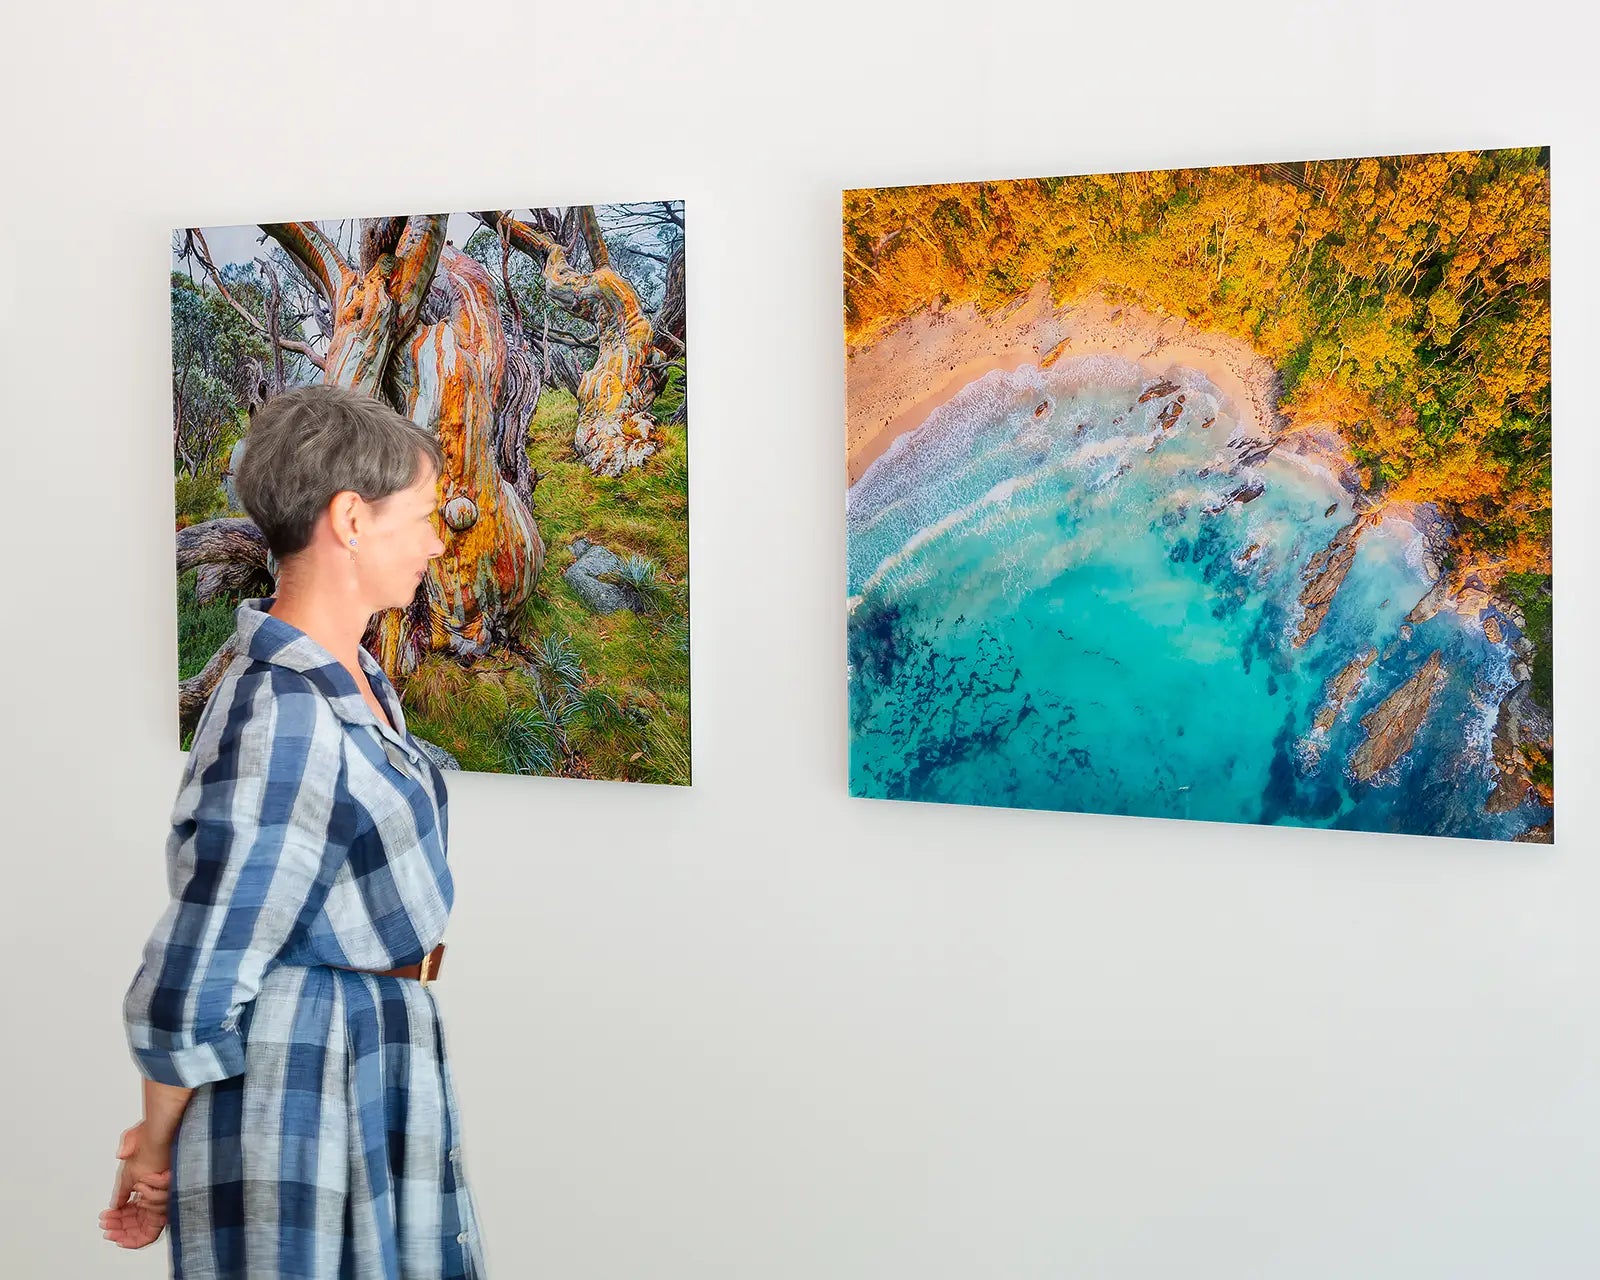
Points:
x=401, y=537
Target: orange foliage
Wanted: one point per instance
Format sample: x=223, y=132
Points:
x=1406, y=300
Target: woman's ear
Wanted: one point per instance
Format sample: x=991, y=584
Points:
x=345, y=515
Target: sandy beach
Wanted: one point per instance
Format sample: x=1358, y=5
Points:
x=892, y=386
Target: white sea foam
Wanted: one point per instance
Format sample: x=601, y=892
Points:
x=997, y=496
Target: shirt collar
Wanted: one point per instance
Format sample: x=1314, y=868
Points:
x=270, y=639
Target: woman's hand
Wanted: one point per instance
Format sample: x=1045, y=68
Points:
x=138, y=1212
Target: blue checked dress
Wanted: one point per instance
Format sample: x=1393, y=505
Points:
x=323, y=1136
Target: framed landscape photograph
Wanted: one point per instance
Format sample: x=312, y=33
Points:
x=1216, y=494
x=547, y=349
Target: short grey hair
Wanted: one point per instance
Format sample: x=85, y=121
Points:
x=310, y=443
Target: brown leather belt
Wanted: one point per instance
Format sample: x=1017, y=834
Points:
x=424, y=971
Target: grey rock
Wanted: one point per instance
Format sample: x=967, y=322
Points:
x=441, y=758
x=235, y=508
x=1244, y=493
x=583, y=576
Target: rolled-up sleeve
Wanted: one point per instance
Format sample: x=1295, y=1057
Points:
x=250, y=859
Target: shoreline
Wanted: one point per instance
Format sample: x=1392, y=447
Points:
x=893, y=385
x=923, y=362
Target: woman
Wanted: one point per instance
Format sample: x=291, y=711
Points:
x=299, y=1113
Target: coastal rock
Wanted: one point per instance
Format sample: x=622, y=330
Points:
x=1327, y=448
x=1522, y=733
x=1170, y=414
x=1206, y=425
x=584, y=577
x=1041, y=409
x=1324, y=574
x=1244, y=493
x=1430, y=604
x=1401, y=637
x=1343, y=688
x=1256, y=452
x=1491, y=629
x=1156, y=390
x=1332, y=507
x=1435, y=532
x=1544, y=833
x=1392, y=725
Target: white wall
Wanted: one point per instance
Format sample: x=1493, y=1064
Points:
x=757, y=1029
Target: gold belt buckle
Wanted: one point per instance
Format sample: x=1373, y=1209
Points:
x=426, y=975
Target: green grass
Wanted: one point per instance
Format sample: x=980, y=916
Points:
x=198, y=497
x=1531, y=593
x=620, y=708
x=202, y=629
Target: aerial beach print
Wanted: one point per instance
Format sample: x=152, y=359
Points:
x=1220, y=494
x=547, y=351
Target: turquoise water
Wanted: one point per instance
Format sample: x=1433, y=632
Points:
x=1044, y=614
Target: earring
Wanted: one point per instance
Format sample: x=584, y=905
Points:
x=352, y=542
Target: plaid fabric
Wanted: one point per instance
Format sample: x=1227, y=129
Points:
x=323, y=1136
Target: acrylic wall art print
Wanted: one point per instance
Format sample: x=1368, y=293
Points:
x=1218, y=494
x=547, y=349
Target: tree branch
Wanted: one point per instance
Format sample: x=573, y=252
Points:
x=324, y=265
x=193, y=692
x=227, y=540
x=599, y=255
x=378, y=237
x=203, y=252
x=418, y=259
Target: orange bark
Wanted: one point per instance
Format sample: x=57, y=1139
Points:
x=616, y=429
x=448, y=375
x=445, y=376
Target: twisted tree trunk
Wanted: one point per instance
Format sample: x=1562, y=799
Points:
x=434, y=348
x=373, y=308
x=672, y=320
x=448, y=375
x=615, y=430
x=231, y=555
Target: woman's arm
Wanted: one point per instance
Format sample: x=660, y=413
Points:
x=137, y=1214
x=164, y=1105
x=253, y=851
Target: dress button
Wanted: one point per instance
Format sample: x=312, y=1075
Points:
x=462, y=1238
